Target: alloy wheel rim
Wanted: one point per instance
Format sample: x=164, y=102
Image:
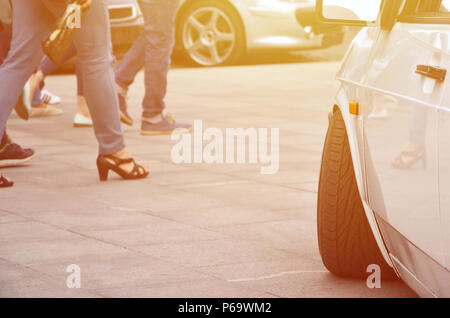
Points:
x=209, y=36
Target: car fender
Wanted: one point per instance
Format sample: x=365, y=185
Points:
x=354, y=128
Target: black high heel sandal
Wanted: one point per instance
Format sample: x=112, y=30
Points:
x=5, y=183
x=104, y=165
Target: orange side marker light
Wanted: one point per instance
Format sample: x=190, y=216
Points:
x=354, y=108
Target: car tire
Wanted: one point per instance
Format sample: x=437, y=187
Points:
x=346, y=242
x=229, y=24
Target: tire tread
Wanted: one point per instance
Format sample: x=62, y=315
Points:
x=346, y=242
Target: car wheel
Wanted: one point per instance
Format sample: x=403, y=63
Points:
x=346, y=242
x=210, y=33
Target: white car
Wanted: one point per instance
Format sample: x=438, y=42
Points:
x=218, y=32
x=384, y=190
x=221, y=32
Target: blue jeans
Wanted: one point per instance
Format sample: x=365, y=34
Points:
x=151, y=50
x=48, y=67
x=32, y=22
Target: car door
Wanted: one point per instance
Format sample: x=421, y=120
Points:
x=444, y=170
x=444, y=151
x=402, y=97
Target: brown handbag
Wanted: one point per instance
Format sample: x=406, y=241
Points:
x=60, y=39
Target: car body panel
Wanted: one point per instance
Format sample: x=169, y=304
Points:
x=408, y=198
x=273, y=24
x=444, y=169
x=444, y=148
x=411, y=280
x=413, y=264
x=408, y=210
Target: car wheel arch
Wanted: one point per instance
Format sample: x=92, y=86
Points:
x=341, y=105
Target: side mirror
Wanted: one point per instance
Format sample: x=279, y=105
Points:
x=349, y=12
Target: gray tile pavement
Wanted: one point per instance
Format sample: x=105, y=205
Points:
x=188, y=230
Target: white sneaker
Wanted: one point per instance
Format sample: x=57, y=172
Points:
x=82, y=121
x=49, y=98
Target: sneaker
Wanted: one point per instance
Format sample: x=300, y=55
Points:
x=22, y=107
x=165, y=126
x=12, y=154
x=45, y=111
x=123, y=105
x=48, y=98
x=82, y=121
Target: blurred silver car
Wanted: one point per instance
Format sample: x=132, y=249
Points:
x=126, y=24
x=221, y=32
x=217, y=32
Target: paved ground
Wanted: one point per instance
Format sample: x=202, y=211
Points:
x=189, y=230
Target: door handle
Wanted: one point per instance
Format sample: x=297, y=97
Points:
x=436, y=72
